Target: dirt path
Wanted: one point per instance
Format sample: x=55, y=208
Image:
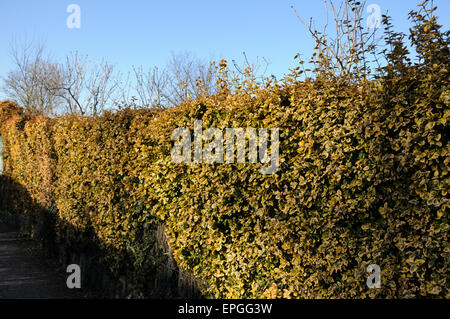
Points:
x=24, y=274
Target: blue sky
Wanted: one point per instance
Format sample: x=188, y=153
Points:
x=136, y=32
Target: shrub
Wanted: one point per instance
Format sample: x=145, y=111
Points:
x=363, y=179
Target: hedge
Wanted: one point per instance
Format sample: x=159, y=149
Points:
x=363, y=179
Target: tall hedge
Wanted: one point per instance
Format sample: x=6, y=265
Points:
x=363, y=179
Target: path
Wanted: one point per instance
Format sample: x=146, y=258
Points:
x=24, y=274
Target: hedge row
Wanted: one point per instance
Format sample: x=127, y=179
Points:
x=363, y=179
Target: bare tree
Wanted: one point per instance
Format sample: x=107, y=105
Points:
x=27, y=83
x=42, y=86
x=86, y=87
x=190, y=77
x=184, y=77
x=151, y=87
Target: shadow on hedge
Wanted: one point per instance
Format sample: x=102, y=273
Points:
x=159, y=276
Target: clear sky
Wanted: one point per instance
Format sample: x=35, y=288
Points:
x=137, y=32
